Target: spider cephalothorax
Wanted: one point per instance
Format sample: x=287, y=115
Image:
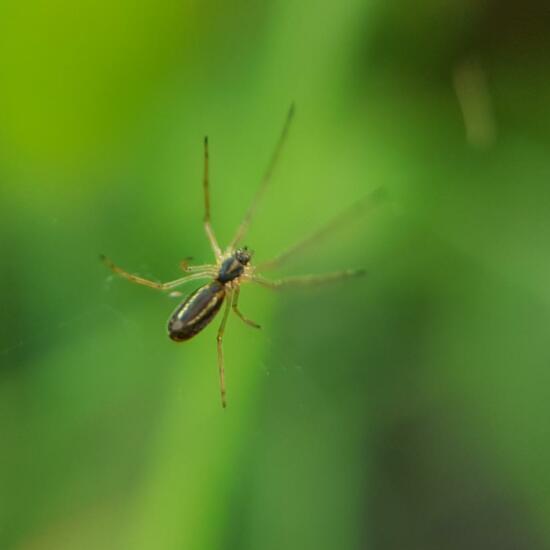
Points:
x=243, y=255
x=234, y=265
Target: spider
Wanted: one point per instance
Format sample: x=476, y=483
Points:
x=233, y=268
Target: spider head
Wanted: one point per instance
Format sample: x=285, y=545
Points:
x=243, y=255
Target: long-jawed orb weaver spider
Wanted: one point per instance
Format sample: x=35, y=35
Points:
x=232, y=268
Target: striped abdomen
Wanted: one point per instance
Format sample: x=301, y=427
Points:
x=196, y=311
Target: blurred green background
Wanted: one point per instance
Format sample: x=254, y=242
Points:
x=406, y=410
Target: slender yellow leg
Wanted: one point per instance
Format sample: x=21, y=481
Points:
x=219, y=338
x=308, y=280
x=249, y=322
x=205, y=268
x=360, y=207
x=207, y=225
x=243, y=228
x=152, y=284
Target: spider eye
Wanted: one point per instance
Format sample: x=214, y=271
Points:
x=243, y=255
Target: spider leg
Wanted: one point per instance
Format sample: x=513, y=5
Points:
x=307, y=280
x=207, y=225
x=152, y=284
x=334, y=224
x=205, y=268
x=219, y=339
x=243, y=228
x=249, y=322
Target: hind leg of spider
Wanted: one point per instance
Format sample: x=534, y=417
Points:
x=219, y=339
x=152, y=284
x=249, y=322
x=207, y=225
x=308, y=280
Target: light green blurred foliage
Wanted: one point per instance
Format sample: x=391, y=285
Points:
x=408, y=409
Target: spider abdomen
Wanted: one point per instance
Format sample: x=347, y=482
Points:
x=196, y=311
